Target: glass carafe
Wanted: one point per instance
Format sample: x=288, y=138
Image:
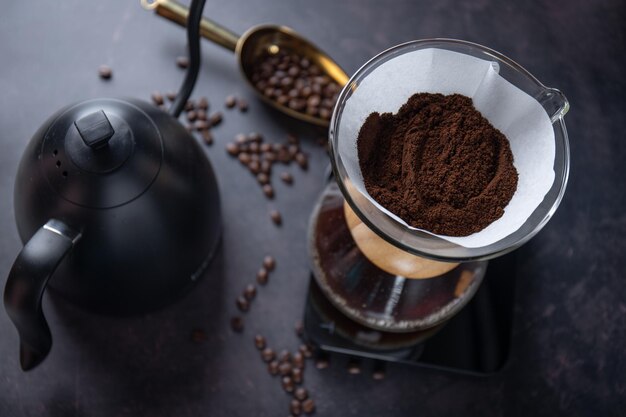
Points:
x=389, y=277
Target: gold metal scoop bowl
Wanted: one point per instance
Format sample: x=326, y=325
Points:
x=253, y=45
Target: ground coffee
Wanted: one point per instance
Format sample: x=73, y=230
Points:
x=438, y=164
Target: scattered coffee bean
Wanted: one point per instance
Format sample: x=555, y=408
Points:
x=268, y=354
x=286, y=177
x=269, y=262
x=215, y=119
x=288, y=384
x=201, y=125
x=190, y=105
x=378, y=375
x=262, y=276
x=297, y=375
x=321, y=363
x=157, y=98
x=249, y=292
x=354, y=368
x=285, y=368
x=268, y=190
x=182, y=62
x=244, y=158
x=295, y=407
x=308, y=406
x=203, y=103
x=191, y=115
x=207, y=136
x=302, y=160
x=284, y=356
x=236, y=323
x=171, y=95
x=201, y=115
x=105, y=72
x=254, y=167
x=272, y=367
x=299, y=328
x=301, y=393
x=230, y=102
x=306, y=351
x=259, y=342
x=198, y=335
x=243, y=105
x=255, y=137
x=242, y=303
x=262, y=178
x=232, y=149
x=276, y=217
x=298, y=360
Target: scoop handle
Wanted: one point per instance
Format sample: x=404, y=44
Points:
x=209, y=29
x=26, y=284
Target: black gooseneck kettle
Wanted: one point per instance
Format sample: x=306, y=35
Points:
x=115, y=202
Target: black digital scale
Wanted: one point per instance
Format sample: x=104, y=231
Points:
x=475, y=341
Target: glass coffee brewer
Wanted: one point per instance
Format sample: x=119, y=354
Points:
x=381, y=288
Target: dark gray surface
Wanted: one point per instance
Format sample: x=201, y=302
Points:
x=569, y=338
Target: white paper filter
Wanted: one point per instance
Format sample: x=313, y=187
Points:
x=516, y=114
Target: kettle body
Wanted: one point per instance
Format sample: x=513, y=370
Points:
x=120, y=227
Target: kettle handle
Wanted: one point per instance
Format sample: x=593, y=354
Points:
x=25, y=286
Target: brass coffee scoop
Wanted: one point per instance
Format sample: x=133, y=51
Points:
x=254, y=43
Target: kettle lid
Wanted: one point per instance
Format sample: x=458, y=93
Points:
x=101, y=153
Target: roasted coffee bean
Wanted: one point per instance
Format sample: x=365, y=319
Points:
x=325, y=113
x=268, y=354
x=266, y=167
x=230, y=102
x=301, y=393
x=299, y=328
x=236, y=323
x=292, y=140
x=321, y=363
x=191, y=115
x=262, y=276
x=198, y=335
x=201, y=125
x=295, y=407
x=262, y=178
x=190, y=105
x=276, y=217
x=203, y=103
x=215, y=119
x=268, y=190
x=284, y=356
x=288, y=384
x=243, y=105
x=286, y=177
x=302, y=160
x=182, y=62
x=285, y=368
x=354, y=368
x=305, y=350
x=242, y=303
x=201, y=115
x=105, y=72
x=298, y=360
x=259, y=342
x=283, y=100
x=297, y=375
x=249, y=292
x=255, y=137
x=269, y=156
x=269, y=263
x=241, y=138
x=254, y=167
x=378, y=375
x=272, y=367
x=171, y=96
x=207, y=136
x=308, y=406
x=232, y=149
x=254, y=147
x=157, y=98
x=244, y=158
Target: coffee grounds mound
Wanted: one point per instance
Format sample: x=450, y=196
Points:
x=438, y=164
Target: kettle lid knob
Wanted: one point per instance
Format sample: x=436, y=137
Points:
x=95, y=129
